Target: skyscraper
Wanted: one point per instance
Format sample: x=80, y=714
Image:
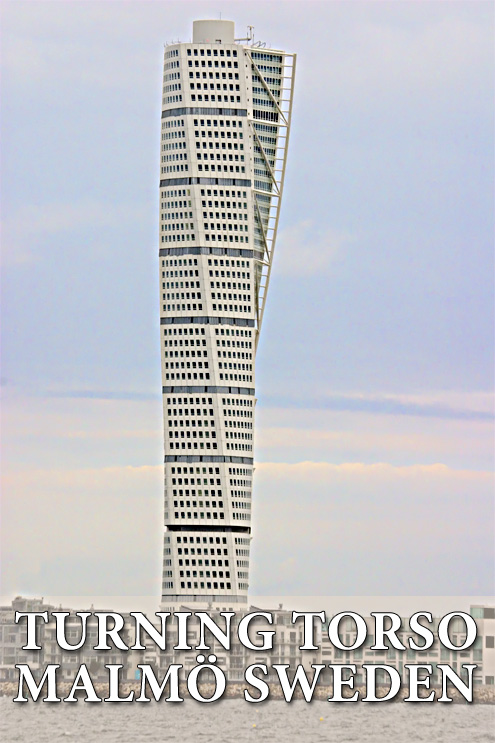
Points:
x=226, y=109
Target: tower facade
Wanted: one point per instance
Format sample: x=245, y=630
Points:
x=226, y=110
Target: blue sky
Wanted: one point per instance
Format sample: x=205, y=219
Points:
x=375, y=367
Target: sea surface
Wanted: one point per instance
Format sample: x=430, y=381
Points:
x=236, y=720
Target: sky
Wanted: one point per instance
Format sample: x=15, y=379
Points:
x=374, y=374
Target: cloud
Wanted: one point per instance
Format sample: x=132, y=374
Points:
x=402, y=53
x=362, y=529
x=316, y=472
x=73, y=433
x=306, y=250
x=66, y=45
x=431, y=406
x=319, y=529
x=332, y=436
x=88, y=530
x=452, y=427
x=32, y=229
x=100, y=394
x=78, y=427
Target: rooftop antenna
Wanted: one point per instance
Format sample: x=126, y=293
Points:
x=250, y=36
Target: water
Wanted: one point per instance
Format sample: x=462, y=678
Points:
x=235, y=720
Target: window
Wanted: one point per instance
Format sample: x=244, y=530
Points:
x=489, y=641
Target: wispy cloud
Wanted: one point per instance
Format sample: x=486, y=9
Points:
x=355, y=527
x=24, y=232
x=100, y=394
x=320, y=471
x=349, y=528
x=304, y=249
x=393, y=56
x=468, y=406
x=403, y=405
x=44, y=35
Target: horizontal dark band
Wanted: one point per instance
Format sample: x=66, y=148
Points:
x=176, y=389
x=233, y=252
x=206, y=458
x=199, y=527
x=200, y=111
x=205, y=598
x=178, y=320
x=193, y=181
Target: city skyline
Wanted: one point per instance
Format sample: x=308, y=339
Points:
x=375, y=412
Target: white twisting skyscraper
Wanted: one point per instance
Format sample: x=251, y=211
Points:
x=224, y=136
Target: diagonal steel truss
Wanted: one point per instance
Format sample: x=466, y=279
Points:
x=275, y=167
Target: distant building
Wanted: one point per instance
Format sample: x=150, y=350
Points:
x=286, y=647
x=482, y=653
x=14, y=635
x=484, y=650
